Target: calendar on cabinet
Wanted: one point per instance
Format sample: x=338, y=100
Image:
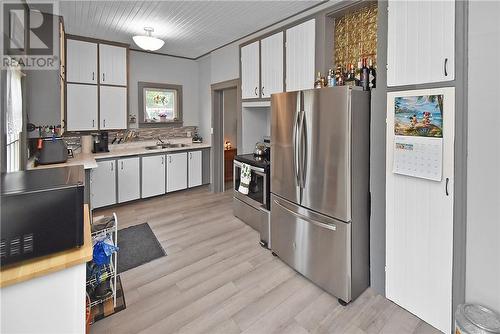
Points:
x=418, y=136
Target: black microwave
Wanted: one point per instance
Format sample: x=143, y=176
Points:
x=41, y=212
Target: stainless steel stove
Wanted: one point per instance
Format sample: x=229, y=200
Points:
x=253, y=208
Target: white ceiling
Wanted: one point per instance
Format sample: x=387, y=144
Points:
x=189, y=28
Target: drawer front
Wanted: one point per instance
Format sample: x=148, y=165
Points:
x=317, y=246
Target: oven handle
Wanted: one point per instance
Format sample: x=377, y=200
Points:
x=255, y=169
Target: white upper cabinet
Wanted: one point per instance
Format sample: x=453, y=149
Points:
x=195, y=168
x=129, y=179
x=250, y=81
x=81, y=108
x=81, y=62
x=421, y=42
x=272, y=65
x=112, y=65
x=300, y=56
x=113, y=107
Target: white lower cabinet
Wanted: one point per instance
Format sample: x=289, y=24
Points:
x=153, y=175
x=103, y=184
x=177, y=173
x=129, y=180
x=194, y=168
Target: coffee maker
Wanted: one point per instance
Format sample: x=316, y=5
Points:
x=100, y=142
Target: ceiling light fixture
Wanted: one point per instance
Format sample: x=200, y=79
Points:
x=148, y=42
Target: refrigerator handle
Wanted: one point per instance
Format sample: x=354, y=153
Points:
x=296, y=142
x=303, y=149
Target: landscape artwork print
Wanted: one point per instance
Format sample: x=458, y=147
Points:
x=420, y=116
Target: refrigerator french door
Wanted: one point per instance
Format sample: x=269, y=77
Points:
x=320, y=186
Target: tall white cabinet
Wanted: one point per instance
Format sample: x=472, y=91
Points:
x=421, y=42
x=419, y=226
x=300, y=56
x=96, y=86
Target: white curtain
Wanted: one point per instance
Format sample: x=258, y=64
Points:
x=14, y=117
x=14, y=104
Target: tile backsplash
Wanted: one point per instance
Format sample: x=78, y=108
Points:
x=143, y=134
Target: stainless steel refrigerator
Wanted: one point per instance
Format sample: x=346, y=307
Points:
x=320, y=199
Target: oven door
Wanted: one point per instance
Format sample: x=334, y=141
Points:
x=257, y=190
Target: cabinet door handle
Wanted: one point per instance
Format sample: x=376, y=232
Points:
x=255, y=91
x=121, y=163
x=93, y=123
x=103, y=78
x=162, y=162
x=93, y=76
x=170, y=159
x=104, y=121
x=263, y=91
x=112, y=164
x=445, y=67
x=190, y=155
x=446, y=187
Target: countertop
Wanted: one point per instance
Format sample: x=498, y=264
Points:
x=29, y=269
x=88, y=160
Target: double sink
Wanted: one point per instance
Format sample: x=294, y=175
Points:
x=166, y=145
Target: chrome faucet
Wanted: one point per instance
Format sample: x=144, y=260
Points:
x=160, y=141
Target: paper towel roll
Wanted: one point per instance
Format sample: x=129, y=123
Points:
x=87, y=144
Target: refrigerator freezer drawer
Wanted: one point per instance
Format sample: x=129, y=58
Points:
x=317, y=246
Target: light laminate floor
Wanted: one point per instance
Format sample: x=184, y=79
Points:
x=217, y=279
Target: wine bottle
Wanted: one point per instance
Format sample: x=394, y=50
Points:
x=365, y=76
x=318, y=83
x=372, y=74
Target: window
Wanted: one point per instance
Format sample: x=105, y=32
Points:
x=14, y=119
x=159, y=103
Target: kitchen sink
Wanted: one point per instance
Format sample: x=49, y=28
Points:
x=155, y=147
x=162, y=146
x=174, y=145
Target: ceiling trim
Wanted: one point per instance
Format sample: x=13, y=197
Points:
x=161, y=54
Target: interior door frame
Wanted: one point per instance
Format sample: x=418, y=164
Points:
x=217, y=161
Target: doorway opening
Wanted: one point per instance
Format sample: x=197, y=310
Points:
x=226, y=137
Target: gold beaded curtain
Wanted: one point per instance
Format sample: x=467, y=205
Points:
x=356, y=36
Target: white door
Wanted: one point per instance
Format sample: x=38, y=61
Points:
x=129, y=179
x=195, y=168
x=272, y=65
x=177, y=171
x=113, y=107
x=250, y=71
x=153, y=175
x=419, y=231
x=81, y=108
x=81, y=62
x=421, y=42
x=300, y=56
x=103, y=184
x=112, y=65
